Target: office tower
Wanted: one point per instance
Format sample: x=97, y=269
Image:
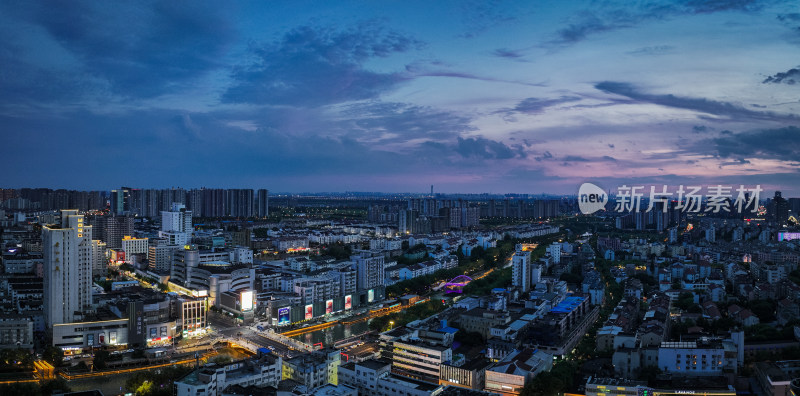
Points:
x=176, y=225
x=263, y=203
x=521, y=270
x=116, y=227
x=67, y=252
x=120, y=201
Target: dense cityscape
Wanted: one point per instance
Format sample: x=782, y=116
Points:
x=411, y=198
x=239, y=292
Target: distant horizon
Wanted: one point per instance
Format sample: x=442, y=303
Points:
x=767, y=193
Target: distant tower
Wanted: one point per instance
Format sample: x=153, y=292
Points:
x=431, y=189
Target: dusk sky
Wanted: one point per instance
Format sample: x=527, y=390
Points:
x=524, y=97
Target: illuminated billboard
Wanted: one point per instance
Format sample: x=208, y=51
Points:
x=309, y=311
x=247, y=300
x=788, y=236
x=370, y=295
x=328, y=307
x=283, y=316
x=348, y=302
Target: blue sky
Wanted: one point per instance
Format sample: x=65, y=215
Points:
x=484, y=96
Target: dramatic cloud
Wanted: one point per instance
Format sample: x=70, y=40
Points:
x=402, y=122
x=696, y=104
x=475, y=98
x=313, y=66
x=610, y=16
x=789, y=77
x=575, y=158
x=537, y=105
x=781, y=144
x=484, y=148
x=168, y=45
x=436, y=69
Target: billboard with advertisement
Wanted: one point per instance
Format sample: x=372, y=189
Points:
x=328, y=307
x=246, y=301
x=283, y=316
x=309, y=311
x=788, y=236
x=370, y=295
x=348, y=302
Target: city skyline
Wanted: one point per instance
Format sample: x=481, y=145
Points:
x=472, y=97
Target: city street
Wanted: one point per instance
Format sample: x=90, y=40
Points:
x=226, y=330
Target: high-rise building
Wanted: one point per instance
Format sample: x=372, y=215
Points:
x=99, y=261
x=176, y=225
x=370, y=271
x=470, y=216
x=781, y=212
x=152, y=203
x=120, y=201
x=184, y=263
x=67, y=252
x=117, y=227
x=407, y=219
x=137, y=201
x=524, y=273
x=262, y=203
x=213, y=203
x=159, y=255
x=176, y=219
x=794, y=207
x=239, y=203
x=555, y=252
